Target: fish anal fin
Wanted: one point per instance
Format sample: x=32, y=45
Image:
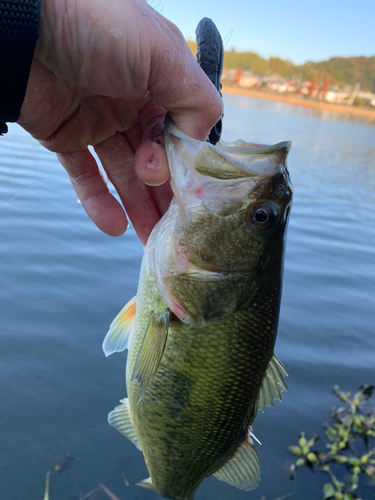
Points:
x=119, y=334
x=151, y=351
x=273, y=384
x=120, y=419
x=242, y=470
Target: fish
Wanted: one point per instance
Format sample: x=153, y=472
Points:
x=201, y=330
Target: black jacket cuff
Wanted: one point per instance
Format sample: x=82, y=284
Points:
x=19, y=32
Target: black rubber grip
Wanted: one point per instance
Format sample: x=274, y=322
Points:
x=210, y=57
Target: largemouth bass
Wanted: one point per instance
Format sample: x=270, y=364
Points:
x=202, y=327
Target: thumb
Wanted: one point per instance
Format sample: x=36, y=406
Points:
x=180, y=86
x=176, y=84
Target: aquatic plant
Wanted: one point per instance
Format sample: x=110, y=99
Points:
x=59, y=466
x=348, y=455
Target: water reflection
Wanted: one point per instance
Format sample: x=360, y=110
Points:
x=63, y=282
x=320, y=114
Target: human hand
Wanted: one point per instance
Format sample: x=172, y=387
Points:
x=104, y=74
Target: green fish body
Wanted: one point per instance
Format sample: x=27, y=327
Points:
x=202, y=329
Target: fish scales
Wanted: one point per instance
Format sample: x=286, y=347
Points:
x=201, y=350
x=221, y=368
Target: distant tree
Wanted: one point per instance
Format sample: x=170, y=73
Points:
x=281, y=66
x=358, y=101
x=341, y=71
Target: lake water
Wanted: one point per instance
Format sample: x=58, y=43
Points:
x=63, y=281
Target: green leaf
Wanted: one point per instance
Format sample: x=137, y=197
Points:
x=311, y=457
x=356, y=470
x=302, y=440
x=296, y=450
x=311, y=442
x=328, y=491
x=342, y=445
x=341, y=459
x=365, y=458
x=342, y=396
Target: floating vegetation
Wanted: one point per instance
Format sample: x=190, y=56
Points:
x=126, y=482
x=46, y=488
x=279, y=498
x=349, y=453
x=64, y=464
x=58, y=466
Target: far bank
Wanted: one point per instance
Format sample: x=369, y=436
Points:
x=299, y=101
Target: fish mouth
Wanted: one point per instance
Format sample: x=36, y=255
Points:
x=229, y=161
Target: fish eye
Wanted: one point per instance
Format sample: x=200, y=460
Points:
x=262, y=216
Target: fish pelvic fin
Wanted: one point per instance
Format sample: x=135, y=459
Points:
x=118, y=337
x=242, y=470
x=146, y=483
x=151, y=351
x=273, y=384
x=120, y=419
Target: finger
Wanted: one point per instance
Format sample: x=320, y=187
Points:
x=102, y=208
x=134, y=136
x=150, y=159
x=179, y=85
x=163, y=196
x=117, y=158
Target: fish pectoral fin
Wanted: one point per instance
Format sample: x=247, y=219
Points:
x=151, y=351
x=119, y=334
x=120, y=419
x=242, y=470
x=273, y=384
x=146, y=483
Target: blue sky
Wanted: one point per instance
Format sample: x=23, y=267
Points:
x=297, y=30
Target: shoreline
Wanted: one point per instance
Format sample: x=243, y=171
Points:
x=304, y=103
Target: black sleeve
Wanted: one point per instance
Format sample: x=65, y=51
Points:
x=19, y=32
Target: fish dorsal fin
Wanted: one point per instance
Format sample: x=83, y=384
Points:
x=151, y=351
x=119, y=334
x=120, y=419
x=273, y=384
x=242, y=470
